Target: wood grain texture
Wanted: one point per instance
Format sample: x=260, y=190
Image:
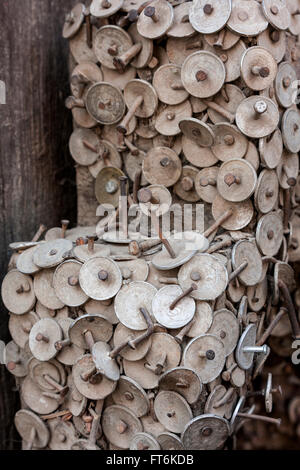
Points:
x=37, y=178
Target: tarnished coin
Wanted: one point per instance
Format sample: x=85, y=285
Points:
x=207, y=273
x=118, y=79
x=99, y=328
x=44, y=291
x=104, y=103
x=71, y=353
x=172, y=410
x=229, y=142
x=269, y=233
x=178, y=49
x=104, y=363
x=144, y=441
x=163, y=199
x=203, y=74
x=66, y=284
x=247, y=18
x=107, y=186
x=274, y=41
x=149, y=101
x=156, y=19
x=37, y=400
x=25, y=262
x=130, y=299
x=105, y=308
x=201, y=157
x=123, y=335
x=84, y=146
x=257, y=117
x=134, y=270
x=17, y=292
x=120, y=425
x=202, y=319
x=168, y=440
x=266, y=192
x=84, y=75
x=184, y=381
x=243, y=357
x=228, y=100
x=209, y=17
x=231, y=59
x=85, y=252
x=51, y=254
x=16, y=359
x=287, y=168
x=100, y=278
x=223, y=39
x=242, y=212
x=73, y=22
x=258, y=68
x=19, y=327
x=206, y=183
x=236, y=180
x=162, y=166
x=257, y=295
x=63, y=435
x=144, y=56
x=205, y=354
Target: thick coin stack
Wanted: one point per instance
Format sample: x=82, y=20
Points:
x=134, y=340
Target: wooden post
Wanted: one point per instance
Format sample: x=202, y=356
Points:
x=37, y=178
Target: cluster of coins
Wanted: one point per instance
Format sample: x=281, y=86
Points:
x=130, y=342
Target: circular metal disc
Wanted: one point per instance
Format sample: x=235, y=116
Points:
x=19, y=327
x=130, y=299
x=162, y=166
x=284, y=84
x=74, y=401
x=16, y=359
x=109, y=39
x=136, y=88
x=203, y=74
x=72, y=26
x=38, y=371
x=165, y=16
x=225, y=42
x=291, y=162
x=143, y=58
x=116, y=417
x=205, y=432
x=294, y=26
x=35, y=400
x=71, y=295
x=274, y=42
x=248, y=338
x=246, y=250
x=25, y=421
x=201, y=157
x=202, y=319
x=229, y=98
x=63, y=435
x=99, y=389
x=212, y=274
x=100, y=328
x=229, y=142
x=167, y=82
x=252, y=156
x=181, y=27
x=79, y=47
x=197, y=131
x=206, y=183
x=209, y=20
x=282, y=271
x=257, y=295
x=254, y=127
x=42, y=350
x=180, y=316
x=97, y=9
x=104, y=363
x=226, y=327
x=69, y=354
x=207, y=369
x=161, y=193
x=184, y=381
x=144, y=441
x=102, y=308
x=247, y=18
x=178, y=49
x=266, y=192
x=25, y=262
x=123, y=334
x=94, y=287
x=230, y=58
x=51, y=254
x=188, y=177
x=290, y=128
x=236, y=191
x=82, y=154
x=118, y=79
x=17, y=292
x=172, y=411
x=257, y=56
x=242, y=212
x=44, y=290
x=169, y=441
x=82, y=253
x=277, y=13
x=104, y=103
x=269, y=233
x=270, y=149
x=130, y=394
x=168, y=118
